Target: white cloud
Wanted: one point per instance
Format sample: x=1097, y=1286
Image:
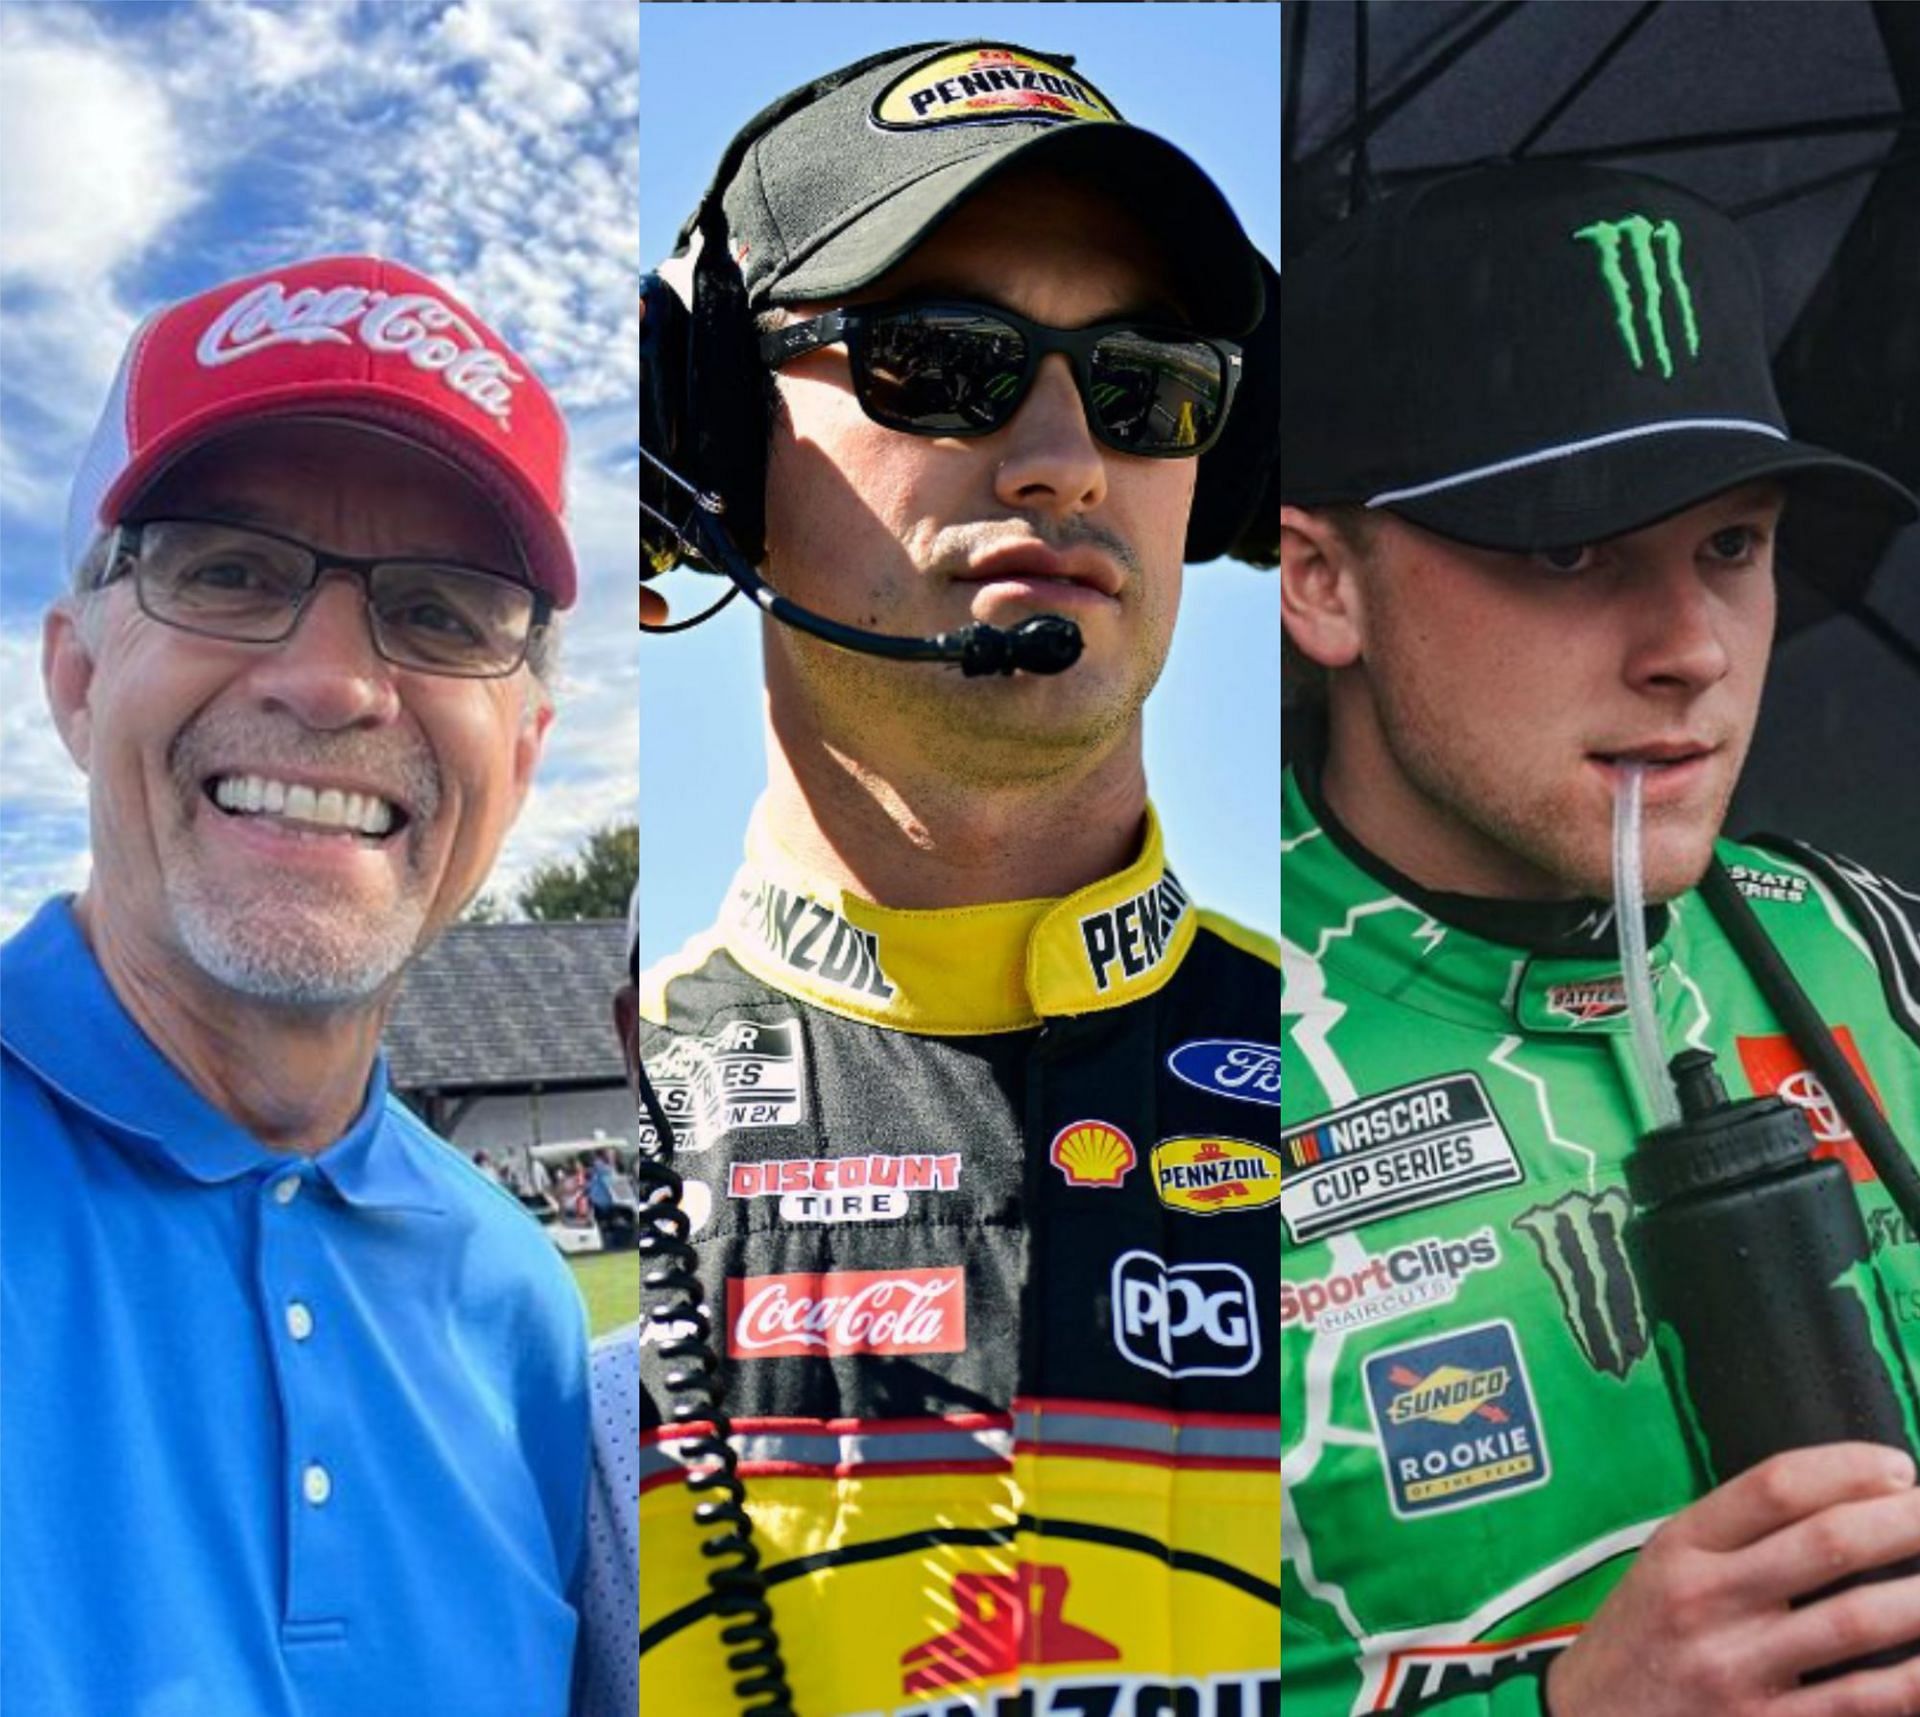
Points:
x=96, y=171
x=590, y=772
x=43, y=826
x=94, y=165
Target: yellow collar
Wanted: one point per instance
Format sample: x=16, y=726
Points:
x=968, y=970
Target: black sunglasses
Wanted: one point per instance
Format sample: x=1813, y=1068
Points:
x=953, y=368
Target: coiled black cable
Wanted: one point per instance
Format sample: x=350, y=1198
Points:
x=672, y=1286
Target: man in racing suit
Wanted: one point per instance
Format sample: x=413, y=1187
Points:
x=977, y=1110
x=1491, y=1503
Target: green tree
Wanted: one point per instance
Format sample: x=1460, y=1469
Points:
x=593, y=884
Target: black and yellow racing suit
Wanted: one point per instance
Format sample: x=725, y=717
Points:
x=987, y=1209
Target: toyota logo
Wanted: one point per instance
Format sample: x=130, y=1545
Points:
x=1805, y=1092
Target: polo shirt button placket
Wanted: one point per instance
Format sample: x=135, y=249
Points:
x=313, y=1612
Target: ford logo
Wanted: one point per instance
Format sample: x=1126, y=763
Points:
x=1230, y=1067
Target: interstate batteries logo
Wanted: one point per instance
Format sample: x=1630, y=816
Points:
x=746, y=1076
x=1424, y=1272
x=1592, y=1002
x=1456, y=1420
x=990, y=85
x=1403, y=1150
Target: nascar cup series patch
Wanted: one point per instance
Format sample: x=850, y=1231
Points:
x=1406, y=1149
x=989, y=85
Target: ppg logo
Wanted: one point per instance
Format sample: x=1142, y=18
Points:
x=1184, y=1320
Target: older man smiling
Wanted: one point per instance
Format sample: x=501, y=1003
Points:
x=295, y=1410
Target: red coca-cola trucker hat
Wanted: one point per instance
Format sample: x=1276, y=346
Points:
x=351, y=337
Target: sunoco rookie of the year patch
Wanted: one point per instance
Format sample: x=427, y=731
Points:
x=1403, y=1150
x=1456, y=1419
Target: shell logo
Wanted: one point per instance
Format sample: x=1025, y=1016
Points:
x=1092, y=1153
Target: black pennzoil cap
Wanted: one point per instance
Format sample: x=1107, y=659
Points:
x=1538, y=355
x=840, y=187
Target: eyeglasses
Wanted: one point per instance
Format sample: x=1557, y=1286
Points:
x=251, y=586
x=964, y=369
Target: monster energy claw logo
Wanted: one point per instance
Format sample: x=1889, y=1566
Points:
x=1652, y=249
x=1579, y=1241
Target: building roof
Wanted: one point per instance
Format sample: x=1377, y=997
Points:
x=510, y=1006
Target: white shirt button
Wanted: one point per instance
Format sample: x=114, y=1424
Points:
x=299, y=1320
x=316, y=1484
x=286, y=1189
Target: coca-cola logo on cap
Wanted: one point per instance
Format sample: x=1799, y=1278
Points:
x=425, y=330
x=847, y=1311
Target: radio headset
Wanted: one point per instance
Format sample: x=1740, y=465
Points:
x=704, y=401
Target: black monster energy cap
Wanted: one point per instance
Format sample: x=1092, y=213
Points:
x=839, y=188
x=1536, y=356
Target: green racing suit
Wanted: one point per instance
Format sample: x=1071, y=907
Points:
x=1477, y=1433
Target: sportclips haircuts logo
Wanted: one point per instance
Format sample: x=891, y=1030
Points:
x=847, y=1311
x=1423, y=1272
x=429, y=333
x=1641, y=266
x=1135, y=934
x=1184, y=1320
x=806, y=936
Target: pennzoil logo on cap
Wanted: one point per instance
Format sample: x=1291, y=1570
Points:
x=989, y=85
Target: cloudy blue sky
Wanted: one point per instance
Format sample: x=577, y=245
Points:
x=1205, y=75
x=154, y=149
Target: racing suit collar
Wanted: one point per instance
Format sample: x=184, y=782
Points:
x=963, y=971
x=1570, y=929
x=1392, y=940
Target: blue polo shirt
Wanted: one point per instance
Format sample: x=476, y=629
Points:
x=610, y=1594
x=279, y=1436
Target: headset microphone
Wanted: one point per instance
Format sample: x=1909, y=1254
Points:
x=1046, y=644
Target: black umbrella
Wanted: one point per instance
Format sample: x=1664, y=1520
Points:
x=1802, y=119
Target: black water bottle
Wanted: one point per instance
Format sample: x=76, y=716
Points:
x=1758, y=1280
